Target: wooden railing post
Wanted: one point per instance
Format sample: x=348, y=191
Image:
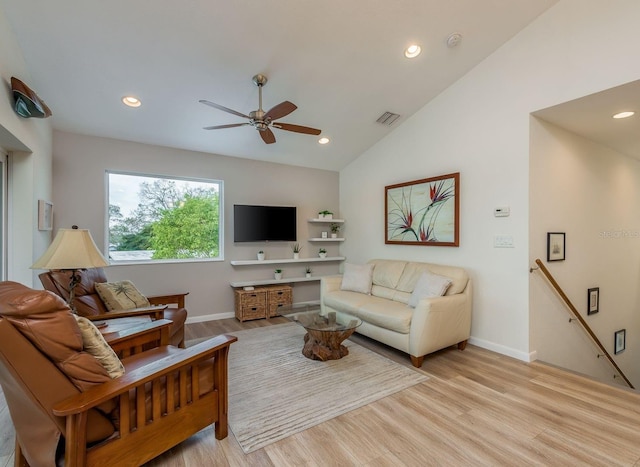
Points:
x=581, y=320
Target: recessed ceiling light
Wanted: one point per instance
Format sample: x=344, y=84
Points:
x=412, y=51
x=624, y=114
x=324, y=140
x=131, y=101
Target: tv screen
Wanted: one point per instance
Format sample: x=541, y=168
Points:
x=264, y=223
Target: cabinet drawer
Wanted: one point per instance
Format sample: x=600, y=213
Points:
x=274, y=309
x=253, y=312
x=253, y=299
x=277, y=298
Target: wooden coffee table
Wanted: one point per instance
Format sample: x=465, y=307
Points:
x=325, y=334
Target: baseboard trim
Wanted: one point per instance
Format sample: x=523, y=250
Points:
x=217, y=316
x=504, y=350
x=210, y=317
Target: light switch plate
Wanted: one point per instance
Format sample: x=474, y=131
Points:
x=502, y=211
x=503, y=241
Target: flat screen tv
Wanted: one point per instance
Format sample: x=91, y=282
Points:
x=264, y=223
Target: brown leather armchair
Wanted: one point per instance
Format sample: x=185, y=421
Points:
x=89, y=304
x=59, y=395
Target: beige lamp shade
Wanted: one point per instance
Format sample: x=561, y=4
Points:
x=71, y=249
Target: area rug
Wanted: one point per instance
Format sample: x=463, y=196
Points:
x=275, y=392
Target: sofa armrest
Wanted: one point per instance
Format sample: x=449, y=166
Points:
x=173, y=299
x=439, y=322
x=154, y=311
x=188, y=409
x=330, y=283
x=214, y=347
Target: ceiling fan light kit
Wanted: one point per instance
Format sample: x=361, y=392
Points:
x=261, y=120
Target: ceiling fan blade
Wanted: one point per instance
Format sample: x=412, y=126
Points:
x=297, y=128
x=220, y=127
x=268, y=136
x=223, y=108
x=281, y=110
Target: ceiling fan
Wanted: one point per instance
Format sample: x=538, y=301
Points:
x=261, y=120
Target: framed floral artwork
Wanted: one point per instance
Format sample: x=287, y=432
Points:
x=423, y=212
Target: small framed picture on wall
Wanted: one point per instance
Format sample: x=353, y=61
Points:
x=45, y=215
x=593, y=297
x=555, y=246
x=620, y=341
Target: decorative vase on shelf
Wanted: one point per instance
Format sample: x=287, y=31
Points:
x=277, y=275
x=322, y=254
x=308, y=275
x=296, y=256
x=334, y=235
x=261, y=256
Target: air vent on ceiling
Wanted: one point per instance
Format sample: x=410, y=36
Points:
x=388, y=118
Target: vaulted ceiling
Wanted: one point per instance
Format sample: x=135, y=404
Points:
x=341, y=62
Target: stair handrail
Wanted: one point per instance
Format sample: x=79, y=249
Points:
x=580, y=319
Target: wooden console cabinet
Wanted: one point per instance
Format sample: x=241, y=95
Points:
x=262, y=302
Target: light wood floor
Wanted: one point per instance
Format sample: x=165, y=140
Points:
x=478, y=408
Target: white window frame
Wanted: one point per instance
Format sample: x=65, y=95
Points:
x=220, y=184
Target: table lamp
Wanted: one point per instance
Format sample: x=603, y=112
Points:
x=71, y=250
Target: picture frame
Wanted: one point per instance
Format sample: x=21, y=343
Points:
x=620, y=341
x=556, y=244
x=423, y=212
x=45, y=215
x=593, y=300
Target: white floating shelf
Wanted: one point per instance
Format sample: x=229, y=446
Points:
x=253, y=262
x=318, y=239
x=274, y=281
x=325, y=221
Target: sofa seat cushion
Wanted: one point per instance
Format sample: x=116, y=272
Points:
x=381, y=312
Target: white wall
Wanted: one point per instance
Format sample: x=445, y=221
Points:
x=480, y=127
x=29, y=140
x=593, y=194
x=79, y=167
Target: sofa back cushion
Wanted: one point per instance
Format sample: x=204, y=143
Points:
x=47, y=322
x=413, y=271
x=387, y=273
x=395, y=280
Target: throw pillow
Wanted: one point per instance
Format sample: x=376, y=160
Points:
x=429, y=285
x=121, y=295
x=94, y=344
x=357, y=278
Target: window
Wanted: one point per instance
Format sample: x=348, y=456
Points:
x=154, y=218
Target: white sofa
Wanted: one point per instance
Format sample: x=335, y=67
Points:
x=435, y=323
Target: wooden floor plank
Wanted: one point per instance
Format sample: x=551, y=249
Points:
x=478, y=408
